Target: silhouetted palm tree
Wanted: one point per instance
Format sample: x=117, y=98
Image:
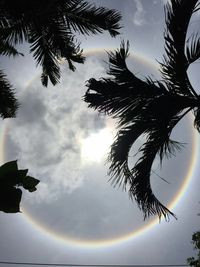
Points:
x=49, y=27
x=149, y=107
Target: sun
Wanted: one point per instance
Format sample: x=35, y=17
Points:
x=96, y=146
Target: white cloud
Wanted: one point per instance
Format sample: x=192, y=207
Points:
x=47, y=133
x=139, y=16
x=166, y=1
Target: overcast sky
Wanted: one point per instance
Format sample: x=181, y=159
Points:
x=76, y=216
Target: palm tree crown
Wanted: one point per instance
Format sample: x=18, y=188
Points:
x=49, y=27
x=149, y=107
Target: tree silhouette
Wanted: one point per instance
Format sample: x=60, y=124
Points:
x=195, y=262
x=10, y=180
x=148, y=107
x=8, y=102
x=49, y=27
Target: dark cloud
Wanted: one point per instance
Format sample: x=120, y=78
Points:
x=32, y=108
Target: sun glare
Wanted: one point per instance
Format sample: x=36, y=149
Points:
x=95, y=147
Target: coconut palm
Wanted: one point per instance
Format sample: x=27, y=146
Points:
x=49, y=27
x=147, y=107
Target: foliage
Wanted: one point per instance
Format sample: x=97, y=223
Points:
x=195, y=262
x=10, y=180
x=49, y=27
x=8, y=102
x=147, y=107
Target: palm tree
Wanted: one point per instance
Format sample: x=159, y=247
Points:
x=49, y=27
x=149, y=107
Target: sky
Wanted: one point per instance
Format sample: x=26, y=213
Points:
x=76, y=216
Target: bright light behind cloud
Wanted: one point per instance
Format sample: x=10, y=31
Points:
x=95, y=147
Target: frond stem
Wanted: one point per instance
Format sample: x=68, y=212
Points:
x=188, y=110
x=193, y=91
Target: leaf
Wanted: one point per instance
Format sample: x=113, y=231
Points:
x=8, y=167
x=8, y=50
x=10, y=199
x=141, y=107
x=21, y=174
x=197, y=119
x=10, y=175
x=88, y=19
x=10, y=178
x=8, y=102
x=175, y=64
x=30, y=183
x=193, y=49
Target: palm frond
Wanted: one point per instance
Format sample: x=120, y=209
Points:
x=119, y=153
x=193, y=49
x=7, y=49
x=51, y=44
x=15, y=33
x=124, y=95
x=63, y=44
x=138, y=179
x=197, y=7
x=118, y=67
x=13, y=24
x=51, y=33
x=109, y=97
x=42, y=52
x=126, y=101
x=197, y=119
x=140, y=188
x=175, y=64
x=89, y=19
x=142, y=108
x=8, y=102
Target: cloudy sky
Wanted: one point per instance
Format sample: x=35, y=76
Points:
x=76, y=216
